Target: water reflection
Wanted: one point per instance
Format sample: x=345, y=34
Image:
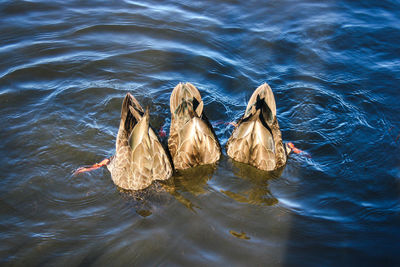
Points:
x=194, y=180
x=143, y=201
x=254, y=186
x=181, y=186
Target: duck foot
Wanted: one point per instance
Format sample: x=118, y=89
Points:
x=95, y=166
x=298, y=151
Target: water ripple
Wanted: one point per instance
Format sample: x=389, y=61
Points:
x=333, y=67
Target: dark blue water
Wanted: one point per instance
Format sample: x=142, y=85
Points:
x=334, y=67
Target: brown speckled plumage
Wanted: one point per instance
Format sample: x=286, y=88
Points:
x=257, y=139
x=139, y=158
x=192, y=141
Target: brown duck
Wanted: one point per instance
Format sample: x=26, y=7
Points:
x=139, y=157
x=257, y=139
x=192, y=141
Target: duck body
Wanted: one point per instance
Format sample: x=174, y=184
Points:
x=191, y=141
x=139, y=158
x=257, y=139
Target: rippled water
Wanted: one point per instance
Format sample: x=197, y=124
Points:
x=334, y=68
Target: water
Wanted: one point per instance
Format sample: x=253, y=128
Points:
x=333, y=66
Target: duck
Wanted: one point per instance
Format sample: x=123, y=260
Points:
x=139, y=158
x=192, y=140
x=257, y=139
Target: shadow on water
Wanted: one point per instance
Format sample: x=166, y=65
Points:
x=254, y=187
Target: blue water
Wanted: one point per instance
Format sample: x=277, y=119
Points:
x=334, y=67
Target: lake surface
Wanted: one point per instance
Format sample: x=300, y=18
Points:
x=334, y=67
